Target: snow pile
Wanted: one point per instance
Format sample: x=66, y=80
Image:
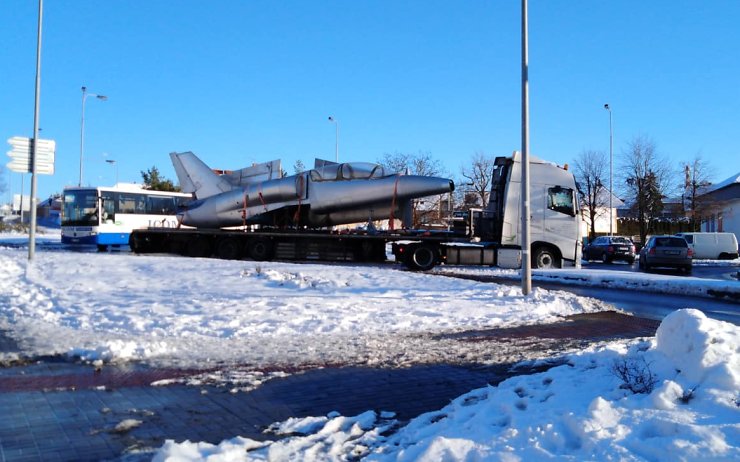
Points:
x=202, y=312
x=583, y=410
x=648, y=282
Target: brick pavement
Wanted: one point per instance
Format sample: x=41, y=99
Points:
x=61, y=411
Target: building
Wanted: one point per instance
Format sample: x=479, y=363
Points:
x=724, y=212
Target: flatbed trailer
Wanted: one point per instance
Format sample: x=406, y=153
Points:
x=279, y=244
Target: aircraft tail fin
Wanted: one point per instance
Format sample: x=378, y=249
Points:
x=195, y=176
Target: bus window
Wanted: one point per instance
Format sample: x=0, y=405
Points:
x=80, y=208
x=161, y=205
x=108, y=205
x=131, y=203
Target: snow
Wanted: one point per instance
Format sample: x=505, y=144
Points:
x=650, y=282
x=582, y=410
x=671, y=397
x=198, y=312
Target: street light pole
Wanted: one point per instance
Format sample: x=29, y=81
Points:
x=34, y=160
x=114, y=164
x=336, y=139
x=611, y=168
x=85, y=94
x=525, y=210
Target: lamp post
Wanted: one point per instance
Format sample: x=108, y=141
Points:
x=85, y=94
x=114, y=164
x=336, y=139
x=611, y=167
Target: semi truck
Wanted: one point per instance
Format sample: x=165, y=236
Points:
x=495, y=231
x=489, y=236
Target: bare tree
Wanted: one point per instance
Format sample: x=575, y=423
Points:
x=425, y=210
x=590, y=169
x=697, y=177
x=479, y=173
x=646, y=178
x=298, y=167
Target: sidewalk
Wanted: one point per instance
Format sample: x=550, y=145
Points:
x=62, y=411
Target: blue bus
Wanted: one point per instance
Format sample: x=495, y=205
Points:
x=105, y=216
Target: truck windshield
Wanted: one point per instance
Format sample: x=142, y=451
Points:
x=561, y=200
x=80, y=208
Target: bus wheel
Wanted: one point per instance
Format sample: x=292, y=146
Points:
x=259, y=249
x=228, y=249
x=199, y=247
x=545, y=258
x=422, y=258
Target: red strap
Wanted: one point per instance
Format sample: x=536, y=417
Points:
x=391, y=222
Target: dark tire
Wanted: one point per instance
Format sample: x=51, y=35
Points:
x=102, y=248
x=199, y=248
x=687, y=269
x=545, y=258
x=137, y=244
x=228, y=249
x=641, y=264
x=422, y=258
x=605, y=258
x=260, y=249
x=631, y=261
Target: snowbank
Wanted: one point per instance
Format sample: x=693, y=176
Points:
x=200, y=312
x=646, y=282
x=583, y=410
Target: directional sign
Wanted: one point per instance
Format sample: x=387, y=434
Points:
x=21, y=155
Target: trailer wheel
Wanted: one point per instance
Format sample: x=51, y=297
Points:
x=260, y=249
x=228, y=249
x=199, y=247
x=137, y=243
x=545, y=258
x=422, y=258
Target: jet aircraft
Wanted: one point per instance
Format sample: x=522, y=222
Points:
x=329, y=194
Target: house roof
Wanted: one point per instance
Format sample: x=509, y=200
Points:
x=734, y=179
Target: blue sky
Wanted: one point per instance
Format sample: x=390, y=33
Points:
x=239, y=82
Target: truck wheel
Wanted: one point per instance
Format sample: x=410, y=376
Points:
x=545, y=258
x=228, y=249
x=422, y=258
x=260, y=249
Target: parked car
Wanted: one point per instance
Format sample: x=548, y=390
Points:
x=610, y=248
x=713, y=246
x=666, y=252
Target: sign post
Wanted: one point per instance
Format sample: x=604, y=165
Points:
x=34, y=156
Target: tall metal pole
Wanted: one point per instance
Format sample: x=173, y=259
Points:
x=336, y=138
x=82, y=132
x=37, y=97
x=526, y=262
x=82, y=125
x=611, y=169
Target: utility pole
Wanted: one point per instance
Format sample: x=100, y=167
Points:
x=526, y=244
x=32, y=234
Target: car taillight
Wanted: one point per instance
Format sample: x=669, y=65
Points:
x=652, y=251
x=632, y=248
x=690, y=252
x=610, y=249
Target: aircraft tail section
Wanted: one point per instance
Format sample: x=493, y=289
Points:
x=195, y=176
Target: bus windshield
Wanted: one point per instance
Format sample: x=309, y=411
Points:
x=80, y=208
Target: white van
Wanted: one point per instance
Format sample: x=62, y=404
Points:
x=712, y=246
